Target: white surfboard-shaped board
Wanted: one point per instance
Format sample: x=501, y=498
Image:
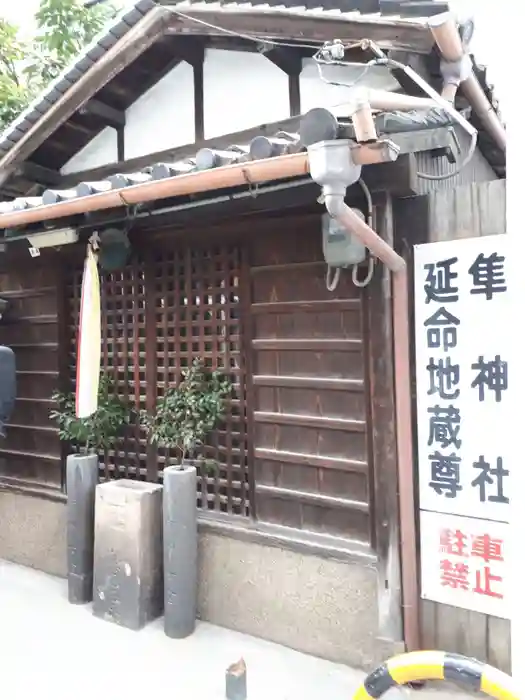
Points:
x=89, y=339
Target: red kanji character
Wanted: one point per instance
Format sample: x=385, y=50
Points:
x=487, y=578
x=487, y=548
x=453, y=542
x=454, y=575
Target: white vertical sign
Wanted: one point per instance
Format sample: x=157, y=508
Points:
x=463, y=339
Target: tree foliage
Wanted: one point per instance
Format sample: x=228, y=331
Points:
x=28, y=64
x=99, y=431
x=187, y=413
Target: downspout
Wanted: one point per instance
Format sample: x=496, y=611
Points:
x=457, y=71
x=333, y=169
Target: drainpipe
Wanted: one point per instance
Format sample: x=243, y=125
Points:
x=333, y=169
x=457, y=70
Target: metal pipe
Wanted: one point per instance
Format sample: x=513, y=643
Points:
x=337, y=208
x=364, y=125
x=235, y=175
x=248, y=174
x=446, y=35
x=449, y=92
x=385, y=101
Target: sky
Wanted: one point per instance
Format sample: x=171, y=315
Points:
x=491, y=28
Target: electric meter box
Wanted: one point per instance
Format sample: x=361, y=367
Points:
x=340, y=247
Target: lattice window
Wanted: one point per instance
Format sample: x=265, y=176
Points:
x=159, y=314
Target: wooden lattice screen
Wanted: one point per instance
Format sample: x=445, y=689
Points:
x=158, y=314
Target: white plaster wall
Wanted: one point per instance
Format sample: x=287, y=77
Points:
x=162, y=118
x=99, y=151
x=241, y=90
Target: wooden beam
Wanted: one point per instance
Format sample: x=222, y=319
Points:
x=289, y=60
x=121, y=144
x=109, y=115
x=189, y=48
x=419, y=64
x=38, y=174
x=388, y=34
x=382, y=433
x=198, y=94
x=124, y=52
x=294, y=94
x=398, y=178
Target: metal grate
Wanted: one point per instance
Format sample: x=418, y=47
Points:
x=158, y=314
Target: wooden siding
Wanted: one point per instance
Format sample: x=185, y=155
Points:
x=477, y=170
x=310, y=438
x=32, y=451
x=308, y=443
x=297, y=448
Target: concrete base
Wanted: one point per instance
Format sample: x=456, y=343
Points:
x=33, y=532
x=319, y=606
x=127, y=587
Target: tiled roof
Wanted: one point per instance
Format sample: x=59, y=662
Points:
x=409, y=13
x=365, y=11
x=355, y=10
x=317, y=125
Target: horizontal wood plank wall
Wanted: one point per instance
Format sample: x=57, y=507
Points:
x=31, y=454
x=310, y=440
x=468, y=211
x=250, y=297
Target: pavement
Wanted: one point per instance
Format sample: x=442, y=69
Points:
x=53, y=650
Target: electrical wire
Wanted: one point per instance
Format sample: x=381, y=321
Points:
x=449, y=108
x=357, y=80
x=368, y=196
x=382, y=60
x=240, y=35
x=331, y=284
x=370, y=273
x=371, y=259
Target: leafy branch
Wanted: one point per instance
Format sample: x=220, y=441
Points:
x=64, y=28
x=99, y=431
x=187, y=413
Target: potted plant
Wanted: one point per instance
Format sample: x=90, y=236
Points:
x=183, y=418
x=90, y=436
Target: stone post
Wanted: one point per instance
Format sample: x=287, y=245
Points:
x=127, y=586
x=180, y=550
x=81, y=482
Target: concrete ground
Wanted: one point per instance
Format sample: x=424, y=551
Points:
x=53, y=650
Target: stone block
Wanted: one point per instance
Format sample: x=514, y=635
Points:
x=128, y=578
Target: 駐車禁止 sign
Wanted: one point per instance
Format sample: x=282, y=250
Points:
x=463, y=338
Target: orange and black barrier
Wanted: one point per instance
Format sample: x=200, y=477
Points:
x=420, y=666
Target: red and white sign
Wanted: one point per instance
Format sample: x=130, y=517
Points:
x=464, y=563
x=467, y=401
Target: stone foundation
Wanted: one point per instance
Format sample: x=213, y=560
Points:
x=319, y=606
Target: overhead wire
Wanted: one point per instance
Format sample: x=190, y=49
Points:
x=240, y=35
